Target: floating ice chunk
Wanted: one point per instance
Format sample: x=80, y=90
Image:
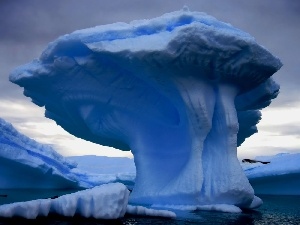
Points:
x=28, y=210
x=143, y=211
x=175, y=207
x=108, y=201
x=214, y=207
x=257, y=202
x=220, y=208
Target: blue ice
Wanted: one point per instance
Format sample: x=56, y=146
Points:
x=181, y=91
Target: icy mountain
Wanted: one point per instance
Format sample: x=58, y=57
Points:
x=279, y=177
x=180, y=91
x=25, y=163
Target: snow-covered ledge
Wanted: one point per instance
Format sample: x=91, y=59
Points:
x=108, y=201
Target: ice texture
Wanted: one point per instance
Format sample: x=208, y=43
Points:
x=279, y=177
x=108, y=201
x=180, y=91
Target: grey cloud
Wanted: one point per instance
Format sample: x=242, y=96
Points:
x=285, y=129
x=35, y=20
x=275, y=24
x=21, y=120
x=12, y=55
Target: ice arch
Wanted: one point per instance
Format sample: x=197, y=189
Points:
x=181, y=91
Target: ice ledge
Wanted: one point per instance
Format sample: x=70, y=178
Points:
x=108, y=201
x=257, y=202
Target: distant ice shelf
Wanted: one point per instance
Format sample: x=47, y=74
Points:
x=280, y=177
x=25, y=163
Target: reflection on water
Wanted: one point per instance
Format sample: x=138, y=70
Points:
x=275, y=210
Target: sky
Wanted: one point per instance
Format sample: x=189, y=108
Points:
x=26, y=27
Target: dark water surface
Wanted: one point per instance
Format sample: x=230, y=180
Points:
x=279, y=210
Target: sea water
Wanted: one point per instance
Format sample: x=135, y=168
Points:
x=279, y=210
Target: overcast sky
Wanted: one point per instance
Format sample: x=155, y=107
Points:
x=27, y=26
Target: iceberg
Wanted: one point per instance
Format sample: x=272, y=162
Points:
x=180, y=91
x=27, y=164
x=279, y=177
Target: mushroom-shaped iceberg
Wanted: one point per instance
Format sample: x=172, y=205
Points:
x=180, y=91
